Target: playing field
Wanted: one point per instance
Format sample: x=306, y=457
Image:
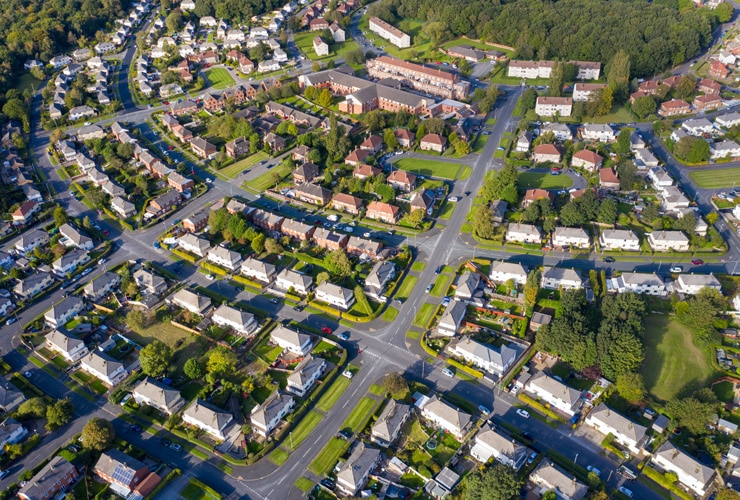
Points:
x=304, y=41
x=219, y=78
x=235, y=169
x=529, y=180
x=430, y=168
x=672, y=359
x=726, y=177
x=268, y=179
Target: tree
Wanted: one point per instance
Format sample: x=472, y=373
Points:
x=355, y=57
x=322, y=277
x=221, y=360
x=483, y=222
x=631, y=387
x=60, y=216
x=258, y=243
x=386, y=192
x=135, y=319
x=416, y=217
x=337, y=263
x=622, y=146
x=726, y=493
x=155, y=358
x=32, y=408
x=174, y=21
x=555, y=88
x=531, y=287
x=607, y=211
x=325, y=98
x=529, y=98
x=571, y=215
x=618, y=75
x=700, y=311
x=193, y=369
x=462, y=148
x=684, y=88
x=498, y=482
x=693, y=413
x=724, y=12
x=97, y=434
x=644, y=106
x=59, y=413
x=627, y=173
x=394, y=383
x=272, y=246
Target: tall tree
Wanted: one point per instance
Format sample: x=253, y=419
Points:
x=97, y=434
x=155, y=358
x=618, y=75
x=498, y=482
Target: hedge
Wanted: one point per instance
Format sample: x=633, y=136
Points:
x=185, y=256
x=467, y=369
x=122, y=222
x=214, y=268
x=427, y=349
x=662, y=481
x=247, y=282
x=192, y=440
x=540, y=407
x=172, y=475
x=210, y=491
x=324, y=308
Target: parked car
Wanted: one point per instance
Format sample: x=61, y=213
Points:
x=625, y=491
x=522, y=413
x=429, y=288
x=676, y=269
x=176, y=447
x=593, y=469
x=274, y=300
x=448, y=373
x=27, y=374
x=4, y=474
x=348, y=374
x=609, y=259
x=446, y=301
x=343, y=336
x=438, y=270
x=210, y=277
x=697, y=262
x=532, y=457
x=483, y=410
x=326, y=330
x=327, y=483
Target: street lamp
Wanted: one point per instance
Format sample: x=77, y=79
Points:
x=575, y=460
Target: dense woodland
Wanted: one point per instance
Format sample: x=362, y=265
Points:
x=655, y=35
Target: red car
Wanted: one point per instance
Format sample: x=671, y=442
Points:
x=697, y=262
x=166, y=103
x=326, y=330
x=106, y=232
x=170, y=148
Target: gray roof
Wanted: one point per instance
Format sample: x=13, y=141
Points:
x=359, y=463
x=10, y=396
x=379, y=274
x=682, y=461
x=274, y=404
x=45, y=480
x=621, y=424
x=645, y=279
x=561, y=274
x=234, y=315
x=668, y=236
x=555, y=388
x=504, y=445
x=335, y=291
x=225, y=254
x=699, y=280
x=64, y=341
x=447, y=413
x=454, y=314
x=508, y=268
x=75, y=255
x=105, y=281
x=295, y=226
x=390, y=420
x=192, y=240
x=619, y=234
x=60, y=308
x=164, y=395
x=259, y=266
x=121, y=467
x=208, y=415
x=296, y=278
x=552, y=477
x=290, y=336
x=101, y=362
x=185, y=296
x=305, y=370
x=468, y=283
x=502, y=356
x=570, y=232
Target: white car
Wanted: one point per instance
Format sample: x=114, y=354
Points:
x=453, y=199
x=210, y=277
x=448, y=373
x=522, y=413
x=347, y=374
x=366, y=235
x=676, y=269
x=484, y=410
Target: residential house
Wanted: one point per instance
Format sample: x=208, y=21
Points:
x=402, y=180
x=523, y=142
x=361, y=246
x=561, y=131
x=25, y=212
x=554, y=278
x=452, y=318
x=267, y=416
x=313, y=194
x=180, y=182
x=158, y=395
x=224, y=257
x=320, y=47
x=554, y=106
x=337, y=32
x=698, y=126
x=261, y=271
x=718, y=69
x=196, y=222
x=237, y=147
x=523, y=233
x=105, y=368
x=692, y=284
x=646, y=283
x=379, y=276
x=11, y=432
x=125, y=475
x=709, y=86
x=373, y=143
x=208, y=418
x=532, y=195
x=390, y=33
x=102, y=286
x=33, y=284
x=335, y=295
x=10, y=396
x=63, y=311
x=619, y=239
x=70, y=261
x=191, y=301
x=691, y=473
x=493, y=360
x=573, y=237
x=329, y=240
x=298, y=230
x=546, y=152
x=608, y=178
x=467, y=284
x=306, y=173
x=728, y=120
x=353, y=475
x=587, y=159
x=489, y=444
x=203, y=148
x=266, y=220
x=194, y=244
x=549, y=477
x=163, y=203
x=305, y=375
x=357, y=157
x=674, y=107
x=297, y=343
x=582, y=92
x=347, y=203
x=502, y=272
x=433, y=142
x=645, y=157
x=149, y=282
x=56, y=476
x=79, y=112
x=240, y=321
x=659, y=178
x=555, y=393
x=30, y=240
x=383, y=212
x=626, y=432
x=404, y=137
x=724, y=149
x=294, y=282
x=664, y=241
x=386, y=429
x=442, y=415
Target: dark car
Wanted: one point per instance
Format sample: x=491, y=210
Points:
x=299, y=307
x=135, y=428
x=327, y=483
x=609, y=259
x=527, y=436
x=697, y=262
x=438, y=270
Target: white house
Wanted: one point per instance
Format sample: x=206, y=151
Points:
x=728, y=120
x=672, y=199
x=193, y=244
x=490, y=444
x=224, y=257
x=549, y=477
x=625, y=432
x=446, y=417
x=267, y=416
x=649, y=284
x=552, y=106
x=659, y=178
x=697, y=127
x=449, y=323
x=664, y=241
x=295, y=342
x=208, y=418
x=724, y=149
x=61, y=312
x=691, y=473
x=70, y=347
x=290, y=280
x=390, y=422
x=557, y=394
x=573, y=237
x=70, y=261
x=646, y=157
x=692, y=284
x=501, y=272
x=353, y=474
x=598, y=132
x=191, y=301
x=467, y=284
x=561, y=131
x=305, y=375
x=11, y=432
x=157, y=395
x=263, y=272
x=554, y=278
x=30, y=240
x=523, y=142
x=102, y=366
x=101, y=286
x=379, y=276
x=240, y=321
x=619, y=239
x=523, y=233
x=493, y=360
x=335, y=295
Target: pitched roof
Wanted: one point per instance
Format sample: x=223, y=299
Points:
x=102, y=363
x=588, y=156
x=121, y=467
x=159, y=393
x=210, y=416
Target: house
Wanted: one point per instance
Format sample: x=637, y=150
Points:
x=224, y=257
x=261, y=271
x=305, y=375
x=179, y=182
x=357, y=157
x=305, y=173
x=573, y=237
x=298, y=230
x=649, y=284
x=301, y=153
x=444, y=416
x=193, y=302
x=546, y=152
x=449, y=323
x=208, y=418
x=443, y=484
x=266, y=220
x=692, y=284
x=75, y=238
x=361, y=246
x=267, y=416
x=697, y=126
x=728, y=120
x=335, y=295
x=554, y=106
x=318, y=24
x=105, y=368
x=158, y=395
x=10, y=396
x=33, y=285
x=240, y=321
x=691, y=473
x=550, y=477
x=502, y=272
x=11, y=432
x=353, y=475
x=467, y=285
x=24, y=213
x=619, y=239
x=266, y=66
x=433, y=142
x=674, y=107
x=373, y=143
x=561, y=131
x=659, y=178
x=337, y=32
x=313, y=194
x=196, y=222
x=673, y=199
x=709, y=86
x=297, y=343
x=490, y=359
x=489, y=444
x=124, y=474
x=102, y=286
x=56, y=476
x=523, y=142
x=379, y=276
x=63, y=311
x=523, y=233
x=203, y=148
x=554, y=278
x=347, y=203
x=539, y=320
x=193, y=244
x=79, y=112
x=390, y=33
x=598, y=132
x=402, y=180
x=664, y=241
x=149, y=282
x=383, y=212
x=163, y=203
x=582, y=92
x=30, y=240
x=557, y=394
x=89, y=132
x=320, y=47
x=718, y=69
x=608, y=178
x=627, y=433
x=405, y=137
x=294, y=282
x=707, y=101
x=724, y=149
x=386, y=429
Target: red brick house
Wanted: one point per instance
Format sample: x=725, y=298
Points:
x=298, y=230
x=305, y=173
x=179, y=182
x=532, y=195
x=608, y=178
x=404, y=137
x=364, y=171
x=163, y=203
x=181, y=133
x=709, y=86
x=383, y=212
x=237, y=147
x=313, y=194
x=433, y=142
x=346, y=203
x=718, y=70
x=707, y=101
x=329, y=240
x=196, y=222
x=400, y=179
x=356, y=157
x=546, y=152
x=674, y=107
x=318, y=24
x=372, y=144
x=203, y=148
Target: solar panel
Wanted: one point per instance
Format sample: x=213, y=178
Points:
x=123, y=474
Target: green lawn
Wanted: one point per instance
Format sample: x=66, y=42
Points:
x=303, y=484
x=618, y=115
x=268, y=179
x=236, y=168
x=672, y=359
x=24, y=81
x=424, y=315
x=328, y=456
x=304, y=41
x=408, y=284
x=465, y=173
x=476, y=44
x=441, y=284
x=446, y=211
x=418, y=266
x=390, y=314
x=544, y=181
x=194, y=491
x=421, y=46
x=332, y=394
x=219, y=78
x=708, y=179
x=360, y=414
x=480, y=143
x=303, y=429
x=431, y=168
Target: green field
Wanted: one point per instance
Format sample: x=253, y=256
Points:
x=303, y=484
x=421, y=46
x=301, y=431
x=279, y=456
x=543, y=180
x=236, y=168
x=403, y=291
x=418, y=266
x=267, y=180
x=327, y=457
x=193, y=491
x=446, y=211
x=390, y=314
x=304, y=41
x=672, y=359
x=219, y=78
x=332, y=394
x=726, y=177
x=441, y=284
x=430, y=168
x=424, y=315
x=360, y=414
x=25, y=81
